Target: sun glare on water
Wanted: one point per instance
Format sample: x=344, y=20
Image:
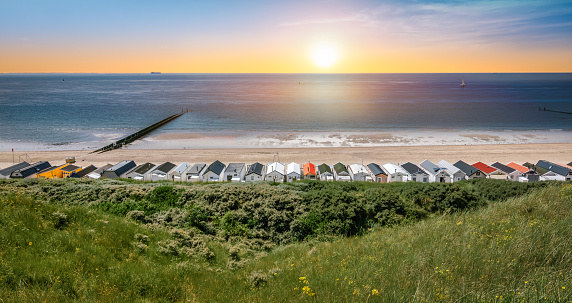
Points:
x=325, y=55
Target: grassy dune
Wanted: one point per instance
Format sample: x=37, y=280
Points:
x=55, y=248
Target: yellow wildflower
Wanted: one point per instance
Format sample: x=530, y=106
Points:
x=374, y=292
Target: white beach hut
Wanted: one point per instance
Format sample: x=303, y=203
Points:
x=275, y=172
x=177, y=174
x=195, y=173
x=359, y=172
x=162, y=171
x=455, y=172
x=214, y=172
x=396, y=173
x=234, y=172
x=436, y=173
x=293, y=172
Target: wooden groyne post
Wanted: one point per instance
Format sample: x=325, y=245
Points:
x=139, y=134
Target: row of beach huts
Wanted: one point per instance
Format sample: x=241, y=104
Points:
x=425, y=171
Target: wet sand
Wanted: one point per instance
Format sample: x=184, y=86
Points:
x=487, y=153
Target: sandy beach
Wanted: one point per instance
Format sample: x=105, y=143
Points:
x=488, y=153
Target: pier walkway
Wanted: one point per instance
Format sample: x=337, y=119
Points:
x=137, y=135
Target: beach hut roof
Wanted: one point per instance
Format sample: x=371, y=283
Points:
x=484, y=168
x=235, y=167
x=196, y=169
x=503, y=168
x=340, y=168
x=466, y=168
x=69, y=168
x=84, y=172
x=538, y=169
x=30, y=169
x=432, y=168
x=357, y=168
x=412, y=168
x=8, y=170
x=520, y=168
x=293, y=168
x=180, y=169
x=275, y=166
x=165, y=167
x=255, y=168
x=392, y=168
x=553, y=167
x=376, y=169
x=101, y=169
x=309, y=168
x=449, y=167
x=324, y=168
x=143, y=168
x=216, y=167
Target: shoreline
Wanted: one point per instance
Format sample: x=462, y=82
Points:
x=306, y=139
x=487, y=153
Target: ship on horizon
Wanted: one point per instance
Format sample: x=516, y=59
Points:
x=155, y=73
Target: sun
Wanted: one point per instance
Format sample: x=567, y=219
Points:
x=325, y=55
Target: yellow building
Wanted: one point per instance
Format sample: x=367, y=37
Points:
x=62, y=171
x=69, y=169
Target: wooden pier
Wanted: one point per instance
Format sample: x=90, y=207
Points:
x=554, y=111
x=137, y=135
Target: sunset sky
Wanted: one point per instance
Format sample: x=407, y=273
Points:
x=295, y=36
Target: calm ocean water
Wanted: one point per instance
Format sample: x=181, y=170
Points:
x=91, y=108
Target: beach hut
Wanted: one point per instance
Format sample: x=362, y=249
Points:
x=50, y=172
x=341, y=173
x=118, y=170
x=529, y=174
x=177, y=173
x=235, y=172
x=456, y=174
x=490, y=171
x=96, y=174
x=275, y=172
x=325, y=172
x=5, y=173
x=140, y=171
x=30, y=171
x=511, y=173
x=471, y=171
x=417, y=174
x=396, y=173
x=83, y=172
x=255, y=172
x=293, y=172
x=556, y=172
x=213, y=173
x=378, y=172
x=436, y=173
x=358, y=172
x=309, y=171
x=195, y=173
x=162, y=171
x=69, y=169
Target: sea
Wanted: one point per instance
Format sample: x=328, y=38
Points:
x=92, y=110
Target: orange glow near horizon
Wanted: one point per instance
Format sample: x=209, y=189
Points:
x=282, y=61
x=323, y=37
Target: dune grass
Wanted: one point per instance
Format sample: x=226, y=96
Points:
x=517, y=250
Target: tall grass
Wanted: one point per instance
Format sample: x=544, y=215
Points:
x=511, y=251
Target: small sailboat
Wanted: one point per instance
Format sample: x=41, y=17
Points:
x=463, y=84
